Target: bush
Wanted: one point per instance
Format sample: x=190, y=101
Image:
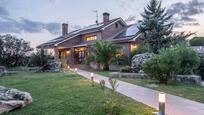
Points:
x=197, y=41
x=169, y=62
x=201, y=68
x=39, y=59
x=64, y=63
x=126, y=69
x=120, y=60
x=188, y=59
x=162, y=66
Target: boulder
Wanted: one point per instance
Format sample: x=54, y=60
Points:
x=53, y=65
x=11, y=99
x=138, y=60
x=3, y=71
x=194, y=79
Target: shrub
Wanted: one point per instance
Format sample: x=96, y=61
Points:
x=64, y=63
x=89, y=59
x=126, y=69
x=39, y=59
x=162, y=66
x=188, y=60
x=197, y=41
x=111, y=104
x=201, y=68
x=120, y=59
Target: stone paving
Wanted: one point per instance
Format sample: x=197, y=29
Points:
x=174, y=105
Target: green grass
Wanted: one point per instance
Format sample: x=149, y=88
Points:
x=190, y=91
x=65, y=94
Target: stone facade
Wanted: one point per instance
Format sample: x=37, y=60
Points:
x=112, y=30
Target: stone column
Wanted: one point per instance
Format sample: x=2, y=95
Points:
x=56, y=51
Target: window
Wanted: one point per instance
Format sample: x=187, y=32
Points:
x=116, y=25
x=90, y=38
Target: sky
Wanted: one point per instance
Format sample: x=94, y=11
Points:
x=38, y=21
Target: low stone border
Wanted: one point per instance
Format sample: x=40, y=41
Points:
x=193, y=79
x=128, y=75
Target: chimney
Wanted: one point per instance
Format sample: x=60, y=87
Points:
x=64, y=28
x=106, y=17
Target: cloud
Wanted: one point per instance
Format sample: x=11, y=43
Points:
x=130, y=19
x=125, y=4
x=10, y=25
x=3, y=12
x=183, y=12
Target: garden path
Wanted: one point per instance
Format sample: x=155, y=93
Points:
x=174, y=105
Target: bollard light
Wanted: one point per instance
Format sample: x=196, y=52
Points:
x=68, y=67
x=92, y=74
x=75, y=69
x=92, y=79
x=162, y=100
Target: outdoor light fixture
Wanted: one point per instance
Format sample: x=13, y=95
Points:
x=91, y=74
x=68, y=67
x=162, y=100
x=75, y=69
x=92, y=77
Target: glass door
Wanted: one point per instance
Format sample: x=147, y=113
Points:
x=79, y=55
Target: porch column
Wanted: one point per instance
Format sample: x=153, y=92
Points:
x=56, y=51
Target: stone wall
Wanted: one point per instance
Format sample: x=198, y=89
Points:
x=193, y=79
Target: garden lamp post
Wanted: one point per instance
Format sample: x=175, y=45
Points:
x=162, y=100
x=68, y=67
x=75, y=69
x=92, y=79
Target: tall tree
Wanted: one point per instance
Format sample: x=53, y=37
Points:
x=156, y=26
x=103, y=52
x=13, y=51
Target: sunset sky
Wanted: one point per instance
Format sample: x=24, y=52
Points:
x=38, y=21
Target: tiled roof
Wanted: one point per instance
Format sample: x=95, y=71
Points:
x=94, y=27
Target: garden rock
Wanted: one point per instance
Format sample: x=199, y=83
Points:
x=11, y=99
x=53, y=65
x=194, y=79
x=138, y=60
x=3, y=71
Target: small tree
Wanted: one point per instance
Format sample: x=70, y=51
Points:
x=103, y=52
x=156, y=26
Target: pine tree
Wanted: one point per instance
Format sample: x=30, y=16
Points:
x=156, y=26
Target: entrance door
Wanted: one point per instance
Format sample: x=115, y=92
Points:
x=79, y=55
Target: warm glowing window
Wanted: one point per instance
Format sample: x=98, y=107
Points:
x=90, y=38
x=133, y=47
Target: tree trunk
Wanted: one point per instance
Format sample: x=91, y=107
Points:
x=98, y=66
x=106, y=67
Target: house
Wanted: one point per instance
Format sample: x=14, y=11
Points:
x=74, y=46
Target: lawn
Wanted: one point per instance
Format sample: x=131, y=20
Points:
x=65, y=93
